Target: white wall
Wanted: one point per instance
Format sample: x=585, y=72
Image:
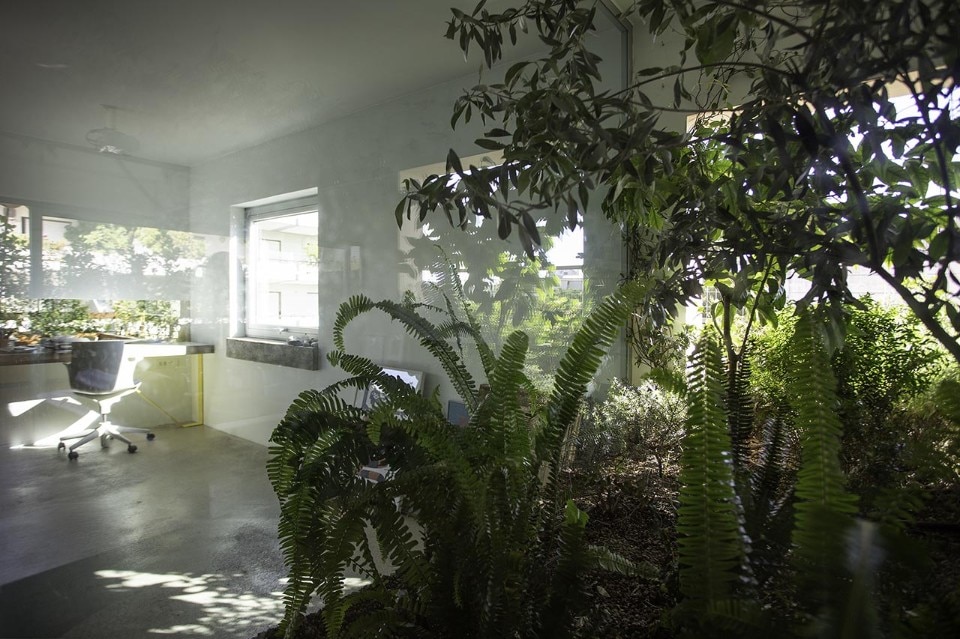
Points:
x=353, y=163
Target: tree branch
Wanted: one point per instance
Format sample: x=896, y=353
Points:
x=703, y=67
x=753, y=311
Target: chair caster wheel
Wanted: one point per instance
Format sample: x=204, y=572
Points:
x=73, y=454
x=131, y=448
x=61, y=446
x=151, y=437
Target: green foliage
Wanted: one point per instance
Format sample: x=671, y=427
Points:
x=832, y=578
x=477, y=529
x=711, y=548
x=633, y=422
x=802, y=164
x=815, y=169
x=135, y=318
x=658, y=347
x=147, y=318
x=507, y=291
x=60, y=317
x=884, y=369
x=155, y=261
x=14, y=264
x=824, y=510
x=929, y=447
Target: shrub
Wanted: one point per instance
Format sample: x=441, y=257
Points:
x=635, y=422
x=886, y=362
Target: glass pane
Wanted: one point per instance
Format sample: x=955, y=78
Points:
x=14, y=262
x=96, y=260
x=283, y=272
x=50, y=317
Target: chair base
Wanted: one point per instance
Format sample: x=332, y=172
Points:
x=105, y=431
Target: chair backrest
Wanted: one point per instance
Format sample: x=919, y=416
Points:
x=100, y=367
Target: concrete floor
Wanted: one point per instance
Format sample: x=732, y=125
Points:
x=178, y=539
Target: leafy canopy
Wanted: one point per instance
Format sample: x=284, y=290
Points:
x=811, y=169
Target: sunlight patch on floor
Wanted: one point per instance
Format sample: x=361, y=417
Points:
x=218, y=605
x=88, y=419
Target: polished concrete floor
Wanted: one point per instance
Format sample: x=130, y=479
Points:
x=176, y=540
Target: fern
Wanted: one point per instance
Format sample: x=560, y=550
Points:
x=768, y=494
x=581, y=362
x=824, y=510
x=485, y=542
x=740, y=411
x=710, y=545
x=419, y=327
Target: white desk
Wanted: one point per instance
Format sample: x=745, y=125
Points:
x=138, y=349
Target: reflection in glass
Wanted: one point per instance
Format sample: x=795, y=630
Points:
x=547, y=297
x=14, y=261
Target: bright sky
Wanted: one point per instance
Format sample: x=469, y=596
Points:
x=567, y=248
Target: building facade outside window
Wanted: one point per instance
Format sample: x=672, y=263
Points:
x=282, y=272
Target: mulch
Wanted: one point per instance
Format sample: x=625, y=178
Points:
x=633, y=513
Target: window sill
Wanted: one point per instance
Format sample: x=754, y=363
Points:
x=268, y=351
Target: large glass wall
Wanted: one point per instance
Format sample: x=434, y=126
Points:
x=78, y=277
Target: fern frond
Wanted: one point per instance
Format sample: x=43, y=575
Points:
x=420, y=328
x=344, y=527
x=772, y=470
x=673, y=381
x=487, y=358
x=710, y=544
x=740, y=411
x=579, y=365
x=297, y=555
x=574, y=557
x=824, y=510
x=507, y=421
x=494, y=546
x=605, y=559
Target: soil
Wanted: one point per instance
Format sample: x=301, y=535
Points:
x=635, y=518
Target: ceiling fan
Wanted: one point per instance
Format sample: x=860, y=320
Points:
x=111, y=141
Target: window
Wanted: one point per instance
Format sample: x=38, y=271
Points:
x=282, y=269
x=75, y=276
x=546, y=298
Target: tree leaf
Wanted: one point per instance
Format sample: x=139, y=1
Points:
x=490, y=145
x=453, y=163
x=504, y=224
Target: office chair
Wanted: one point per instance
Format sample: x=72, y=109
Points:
x=99, y=372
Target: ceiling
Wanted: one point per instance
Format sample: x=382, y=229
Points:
x=192, y=80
